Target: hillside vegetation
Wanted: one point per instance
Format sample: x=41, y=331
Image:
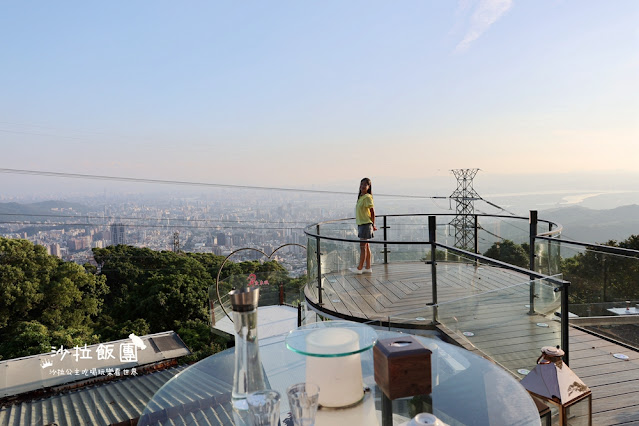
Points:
x=47, y=302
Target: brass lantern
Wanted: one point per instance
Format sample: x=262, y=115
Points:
x=558, y=386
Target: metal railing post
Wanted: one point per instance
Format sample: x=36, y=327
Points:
x=319, y=268
x=432, y=235
x=531, y=254
x=385, y=238
x=476, y=239
x=565, y=322
x=549, y=249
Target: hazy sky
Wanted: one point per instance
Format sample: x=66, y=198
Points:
x=293, y=93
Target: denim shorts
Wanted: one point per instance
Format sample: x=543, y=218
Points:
x=365, y=232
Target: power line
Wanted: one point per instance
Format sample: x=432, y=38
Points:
x=29, y=223
x=211, y=222
x=190, y=183
x=496, y=206
x=491, y=233
x=84, y=216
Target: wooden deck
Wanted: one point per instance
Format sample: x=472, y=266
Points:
x=614, y=382
x=401, y=290
x=485, y=310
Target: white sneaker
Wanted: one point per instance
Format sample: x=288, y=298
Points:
x=356, y=271
x=367, y=271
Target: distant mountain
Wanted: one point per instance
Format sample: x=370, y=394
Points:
x=43, y=207
x=595, y=226
x=43, y=211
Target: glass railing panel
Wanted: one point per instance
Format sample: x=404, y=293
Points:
x=604, y=290
x=402, y=253
x=600, y=281
x=494, y=230
x=547, y=257
x=547, y=297
x=460, y=233
x=450, y=256
x=276, y=288
x=445, y=231
x=308, y=316
x=369, y=295
x=294, y=290
x=376, y=324
x=499, y=325
x=419, y=317
x=312, y=267
x=216, y=311
x=406, y=228
x=338, y=256
x=486, y=240
x=336, y=229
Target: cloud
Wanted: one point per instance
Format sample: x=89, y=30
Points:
x=486, y=13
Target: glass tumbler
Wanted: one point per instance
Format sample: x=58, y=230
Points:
x=264, y=407
x=303, y=399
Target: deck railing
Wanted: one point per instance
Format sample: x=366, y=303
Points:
x=604, y=279
x=333, y=246
x=604, y=295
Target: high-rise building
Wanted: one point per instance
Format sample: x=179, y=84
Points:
x=117, y=234
x=54, y=250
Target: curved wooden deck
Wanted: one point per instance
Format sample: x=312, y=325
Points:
x=397, y=290
x=486, y=302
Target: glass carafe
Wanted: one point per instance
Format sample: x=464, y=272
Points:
x=248, y=375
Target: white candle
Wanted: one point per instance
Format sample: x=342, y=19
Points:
x=339, y=377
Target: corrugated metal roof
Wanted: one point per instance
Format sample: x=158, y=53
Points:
x=103, y=404
x=39, y=372
x=201, y=397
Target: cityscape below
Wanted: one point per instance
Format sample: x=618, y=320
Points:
x=222, y=221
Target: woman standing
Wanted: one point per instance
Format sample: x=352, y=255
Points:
x=365, y=217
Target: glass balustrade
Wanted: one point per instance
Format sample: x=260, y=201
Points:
x=499, y=323
x=465, y=293
x=604, y=290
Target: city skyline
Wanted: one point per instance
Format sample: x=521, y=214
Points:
x=316, y=95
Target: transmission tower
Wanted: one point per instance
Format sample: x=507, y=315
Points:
x=176, y=242
x=464, y=196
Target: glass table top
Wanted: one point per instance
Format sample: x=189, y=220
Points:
x=466, y=389
x=331, y=339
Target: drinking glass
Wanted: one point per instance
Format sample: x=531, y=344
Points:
x=264, y=407
x=303, y=399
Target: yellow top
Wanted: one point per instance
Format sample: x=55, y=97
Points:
x=363, y=209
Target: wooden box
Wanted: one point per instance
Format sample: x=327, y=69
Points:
x=402, y=367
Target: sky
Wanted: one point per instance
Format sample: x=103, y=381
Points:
x=312, y=93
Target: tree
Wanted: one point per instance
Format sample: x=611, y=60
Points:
x=509, y=252
x=27, y=338
x=596, y=276
x=44, y=301
x=24, y=267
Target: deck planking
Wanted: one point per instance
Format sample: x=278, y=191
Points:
x=487, y=302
